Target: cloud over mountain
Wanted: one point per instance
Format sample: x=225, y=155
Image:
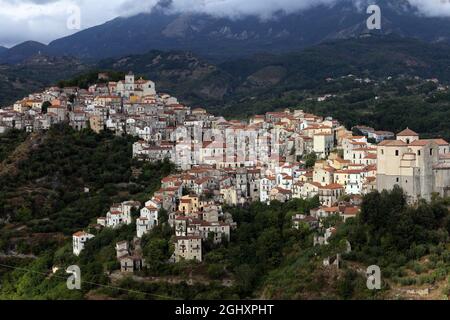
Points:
x=46, y=20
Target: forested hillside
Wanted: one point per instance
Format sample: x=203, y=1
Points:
x=44, y=192
x=35, y=73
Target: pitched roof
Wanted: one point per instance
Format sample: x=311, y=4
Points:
x=441, y=142
x=407, y=133
x=79, y=234
x=332, y=186
x=419, y=143
x=392, y=143
x=351, y=210
x=283, y=191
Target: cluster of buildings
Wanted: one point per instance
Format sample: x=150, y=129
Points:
x=119, y=214
x=38, y=111
x=233, y=162
x=130, y=106
x=237, y=162
x=195, y=215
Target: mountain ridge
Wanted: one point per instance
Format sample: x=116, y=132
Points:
x=196, y=80
x=22, y=51
x=221, y=38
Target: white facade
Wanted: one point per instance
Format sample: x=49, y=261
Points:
x=131, y=87
x=79, y=239
x=148, y=219
x=188, y=248
x=143, y=226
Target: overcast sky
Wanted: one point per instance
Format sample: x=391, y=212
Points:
x=46, y=20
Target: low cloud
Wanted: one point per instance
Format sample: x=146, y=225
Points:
x=432, y=8
x=224, y=8
x=46, y=20
x=267, y=8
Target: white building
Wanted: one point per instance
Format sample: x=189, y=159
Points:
x=323, y=144
x=219, y=230
x=120, y=214
x=116, y=217
x=143, y=226
x=78, y=241
x=266, y=185
x=148, y=219
x=188, y=248
x=131, y=87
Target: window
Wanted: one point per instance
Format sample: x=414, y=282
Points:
x=431, y=152
x=418, y=152
x=397, y=180
x=382, y=151
x=396, y=153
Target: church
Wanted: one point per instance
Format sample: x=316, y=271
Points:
x=420, y=167
x=131, y=87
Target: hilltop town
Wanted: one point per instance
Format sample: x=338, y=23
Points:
x=278, y=156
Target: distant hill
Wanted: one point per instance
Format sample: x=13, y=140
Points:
x=371, y=56
x=221, y=38
x=22, y=52
x=191, y=78
x=19, y=80
x=196, y=81
x=3, y=49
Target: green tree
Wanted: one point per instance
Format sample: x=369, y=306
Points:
x=310, y=160
x=45, y=106
x=156, y=254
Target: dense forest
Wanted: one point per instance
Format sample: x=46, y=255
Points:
x=67, y=180
x=9, y=142
x=19, y=80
